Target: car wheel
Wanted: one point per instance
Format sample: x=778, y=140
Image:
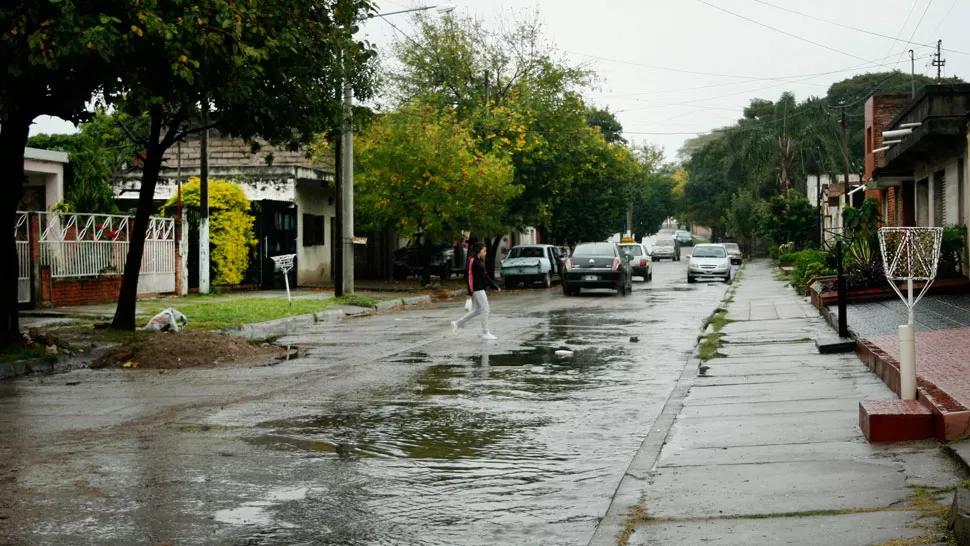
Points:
x=547, y=280
x=649, y=275
x=621, y=291
x=566, y=291
x=690, y=280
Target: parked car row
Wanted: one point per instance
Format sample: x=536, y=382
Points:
x=613, y=266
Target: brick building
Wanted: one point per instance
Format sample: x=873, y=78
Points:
x=918, y=171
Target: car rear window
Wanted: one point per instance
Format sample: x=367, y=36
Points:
x=526, y=252
x=732, y=246
x=595, y=249
x=709, y=252
x=635, y=250
x=664, y=242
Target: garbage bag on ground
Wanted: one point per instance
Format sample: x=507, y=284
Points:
x=169, y=320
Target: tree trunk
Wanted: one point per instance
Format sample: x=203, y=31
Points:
x=426, y=250
x=13, y=139
x=492, y=257
x=124, y=318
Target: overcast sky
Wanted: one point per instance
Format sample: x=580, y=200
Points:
x=671, y=69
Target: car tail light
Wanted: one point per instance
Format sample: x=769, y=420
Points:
x=569, y=263
x=616, y=263
x=643, y=263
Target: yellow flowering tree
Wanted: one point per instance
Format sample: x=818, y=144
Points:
x=231, y=226
x=421, y=170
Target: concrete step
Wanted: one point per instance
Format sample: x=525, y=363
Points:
x=895, y=420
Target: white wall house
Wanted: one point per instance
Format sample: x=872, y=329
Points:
x=44, y=187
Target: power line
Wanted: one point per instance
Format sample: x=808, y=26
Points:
x=854, y=29
x=786, y=33
x=913, y=35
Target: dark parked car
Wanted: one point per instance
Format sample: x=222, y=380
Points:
x=597, y=265
x=442, y=258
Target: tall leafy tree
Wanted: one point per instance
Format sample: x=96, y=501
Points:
x=421, y=171
x=56, y=55
x=267, y=68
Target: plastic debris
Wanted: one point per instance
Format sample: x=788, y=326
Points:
x=169, y=320
x=564, y=352
x=130, y=364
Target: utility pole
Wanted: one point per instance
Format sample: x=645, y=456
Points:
x=204, y=204
x=629, y=218
x=843, y=303
x=347, y=186
x=938, y=60
x=912, y=72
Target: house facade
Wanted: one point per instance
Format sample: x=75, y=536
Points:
x=44, y=186
x=916, y=156
x=293, y=202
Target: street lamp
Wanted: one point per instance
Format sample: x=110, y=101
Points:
x=345, y=235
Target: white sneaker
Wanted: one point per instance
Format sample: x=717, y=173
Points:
x=488, y=337
x=454, y=327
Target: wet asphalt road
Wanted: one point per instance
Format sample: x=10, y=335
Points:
x=387, y=430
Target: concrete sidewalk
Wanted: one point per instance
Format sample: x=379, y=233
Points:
x=763, y=446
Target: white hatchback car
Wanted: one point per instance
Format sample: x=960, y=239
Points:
x=709, y=261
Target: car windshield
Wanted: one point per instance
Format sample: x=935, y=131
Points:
x=709, y=252
x=632, y=250
x=526, y=252
x=664, y=242
x=595, y=249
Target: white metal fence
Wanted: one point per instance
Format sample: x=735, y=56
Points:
x=22, y=236
x=88, y=245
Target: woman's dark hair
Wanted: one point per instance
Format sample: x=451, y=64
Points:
x=476, y=248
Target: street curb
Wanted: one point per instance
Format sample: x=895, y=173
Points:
x=282, y=326
x=64, y=362
x=403, y=302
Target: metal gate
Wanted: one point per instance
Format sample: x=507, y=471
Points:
x=22, y=236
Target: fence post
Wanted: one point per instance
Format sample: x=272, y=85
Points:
x=33, y=238
x=181, y=257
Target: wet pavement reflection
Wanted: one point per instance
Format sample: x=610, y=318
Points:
x=452, y=441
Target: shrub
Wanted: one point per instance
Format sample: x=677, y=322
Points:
x=788, y=258
x=809, y=264
x=230, y=229
x=952, y=247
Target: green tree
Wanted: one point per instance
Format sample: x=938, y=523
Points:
x=96, y=152
x=251, y=68
x=56, y=55
x=514, y=88
x=607, y=123
x=790, y=220
x=231, y=234
x=745, y=217
x=421, y=171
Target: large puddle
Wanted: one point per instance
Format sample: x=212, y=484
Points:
x=482, y=449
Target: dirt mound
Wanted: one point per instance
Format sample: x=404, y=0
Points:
x=162, y=350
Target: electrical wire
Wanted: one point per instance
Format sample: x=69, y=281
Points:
x=913, y=35
x=786, y=33
x=854, y=29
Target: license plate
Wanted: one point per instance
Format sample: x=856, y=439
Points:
x=591, y=278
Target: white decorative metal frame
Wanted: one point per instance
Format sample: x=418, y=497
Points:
x=284, y=263
x=79, y=245
x=910, y=254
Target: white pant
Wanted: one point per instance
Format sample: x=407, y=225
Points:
x=479, y=307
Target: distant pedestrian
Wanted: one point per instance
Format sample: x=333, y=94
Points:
x=477, y=279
